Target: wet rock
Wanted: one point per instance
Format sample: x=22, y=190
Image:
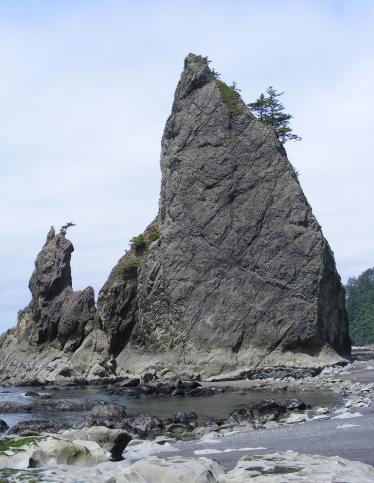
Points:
x=3, y=426
x=178, y=392
x=268, y=406
x=8, y=407
x=292, y=404
x=143, y=425
x=129, y=383
x=165, y=389
x=241, y=416
x=50, y=405
x=109, y=411
x=200, y=391
x=35, y=427
x=119, y=445
x=64, y=405
x=146, y=389
x=148, y=377
x=112, y=440
x=31, y=394
x=183, y=418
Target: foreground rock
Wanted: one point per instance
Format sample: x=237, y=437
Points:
x=273, y=468
x=59, y=333
x=36, y=452
x=240, y=275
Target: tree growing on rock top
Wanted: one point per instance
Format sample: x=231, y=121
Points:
x=64, y=228
x=270, y=111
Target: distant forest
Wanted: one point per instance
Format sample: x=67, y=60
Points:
x=360, y=307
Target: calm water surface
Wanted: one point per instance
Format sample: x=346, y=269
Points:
x=219, y=405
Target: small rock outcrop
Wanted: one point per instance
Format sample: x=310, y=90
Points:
x=59, y=332
x=240, y=276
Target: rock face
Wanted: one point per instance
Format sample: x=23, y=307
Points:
x=240, y=276
x=232, y=277
x=59, y=330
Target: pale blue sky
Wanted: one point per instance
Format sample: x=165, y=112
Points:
x=85, y=90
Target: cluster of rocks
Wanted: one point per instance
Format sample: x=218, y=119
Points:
x=115, y=416
x=138, y=388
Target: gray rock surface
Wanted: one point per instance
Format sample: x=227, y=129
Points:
x=59, y=330
x=232, y=278
x=241, y=276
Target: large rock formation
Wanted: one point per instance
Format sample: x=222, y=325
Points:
x=59, y=333
x=241, y=276
x=233, y=276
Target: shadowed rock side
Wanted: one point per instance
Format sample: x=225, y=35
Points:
x=59, y=333
x=241, y=276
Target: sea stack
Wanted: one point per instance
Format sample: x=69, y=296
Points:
x=234, y=275
x=232, y=279
x=58, y=334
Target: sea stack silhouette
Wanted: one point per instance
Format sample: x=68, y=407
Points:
x=233, y=278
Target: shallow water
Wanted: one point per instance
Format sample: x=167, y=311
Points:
x=218, y=405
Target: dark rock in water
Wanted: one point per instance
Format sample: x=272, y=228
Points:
x=240, y=416
x=34, y=427
x=281, y=373
x=31, y=394
x=64, y=405
x=178, y=392
x=180, y=423
x=3, y=426
x=235, y=272
x=7, y=407
x=108, y=411
x=292, y=404
x=270, y=405
x=50, y=405
x=182, y=418
x=200, y=391
x=119, y=445
x=42, y=395
x=165, y=389
x=146, y=389
x=143, y=425
x=129, y=383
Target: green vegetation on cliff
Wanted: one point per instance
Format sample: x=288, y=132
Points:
x=360, y=307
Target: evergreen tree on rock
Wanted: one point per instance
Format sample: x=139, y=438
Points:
x=270, y=110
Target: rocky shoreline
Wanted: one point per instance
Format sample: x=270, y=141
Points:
x=110, y=430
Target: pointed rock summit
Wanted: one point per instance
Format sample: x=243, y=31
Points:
x=240, y=276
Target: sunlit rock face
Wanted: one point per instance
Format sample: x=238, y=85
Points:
x=240, y=276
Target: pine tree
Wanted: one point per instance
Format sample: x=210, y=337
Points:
x=270, y=110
